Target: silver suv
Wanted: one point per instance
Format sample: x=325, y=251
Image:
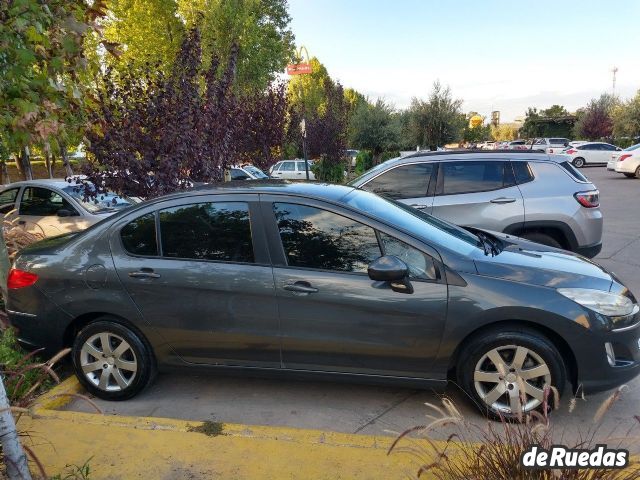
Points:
x=528, y=194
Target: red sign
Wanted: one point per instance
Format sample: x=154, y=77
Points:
x=298, y=68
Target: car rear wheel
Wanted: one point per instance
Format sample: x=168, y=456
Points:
x=542, y=238
x=111, y=361
x=637, y=174
x=578, y=162
x=506, y=372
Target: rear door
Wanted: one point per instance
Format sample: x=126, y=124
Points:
x=199, y=272
x=412, y=183
x=333, y=317
x=478, y=193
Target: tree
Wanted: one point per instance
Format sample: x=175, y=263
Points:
x=626, y=118
x=437, y=121
x=154, y=133
x=307, y=93
x=504, y=132
x=554, y=111
x=372, y=128
x=41, y=65
x=595, y=121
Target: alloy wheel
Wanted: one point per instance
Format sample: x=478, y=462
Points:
x=578, y=163
x=108, y=361
x=511, y=379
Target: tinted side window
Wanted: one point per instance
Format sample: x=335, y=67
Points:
x=8, y=200
x=608, y=147
x=407, y=181
x=287, y=167
x=139, y=236
x=420, y=265
x=43, y=202
x=467, y=177
x=237, y=174
x=574, y=173
x=315, y=238
x=522, y=172
x=207, y=231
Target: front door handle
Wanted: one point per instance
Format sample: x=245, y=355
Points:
x=144, y=273
x=300, y=287
x=418, y=206
x=503, y=200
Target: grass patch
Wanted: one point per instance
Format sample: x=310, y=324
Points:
x=211, y=429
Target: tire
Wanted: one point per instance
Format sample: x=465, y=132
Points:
x=119, y=376
x=542, y=238
x=637, y=174
x=578, y=162
x=535, y=350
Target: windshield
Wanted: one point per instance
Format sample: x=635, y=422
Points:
x=255, y=171
x=103, y=202
x=632, y=147
x=422, y=225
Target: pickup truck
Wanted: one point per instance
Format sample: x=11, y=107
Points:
x=549, y=145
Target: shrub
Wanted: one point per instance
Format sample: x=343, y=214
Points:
x=364, y=161
x=328, y=171
x=389, y=154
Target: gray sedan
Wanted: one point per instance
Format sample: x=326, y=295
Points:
x=322, y=280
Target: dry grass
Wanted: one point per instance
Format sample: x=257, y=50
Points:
x=15, y=236
x=492, y=450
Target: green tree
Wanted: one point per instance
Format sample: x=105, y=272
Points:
x=372, y=128
x=307, y=93
x=260, y=28
x=504, y=132
x=626, y=118
x=438, y=120
x=555, y=111
x=41, y=65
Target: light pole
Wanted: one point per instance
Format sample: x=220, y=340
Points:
x=303, y=130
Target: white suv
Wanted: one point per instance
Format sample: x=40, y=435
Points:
x=291, y=170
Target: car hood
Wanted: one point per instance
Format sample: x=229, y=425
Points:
x=536, y=264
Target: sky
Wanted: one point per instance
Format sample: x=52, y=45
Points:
x=494, y=55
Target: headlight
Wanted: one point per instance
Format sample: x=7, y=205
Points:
x=609, y=304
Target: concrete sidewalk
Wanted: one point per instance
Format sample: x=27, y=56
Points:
x=157, y=448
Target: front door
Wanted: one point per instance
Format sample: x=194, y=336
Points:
x=333, y=317
x=45, y=212
x=196, y=270
x=480, y=194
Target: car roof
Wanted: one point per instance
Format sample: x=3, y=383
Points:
x=39, y=182
x=475, y=155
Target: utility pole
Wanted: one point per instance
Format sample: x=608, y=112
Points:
x=303, y=130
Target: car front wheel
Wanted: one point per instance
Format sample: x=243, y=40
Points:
x=506, y=372
x=111, y=361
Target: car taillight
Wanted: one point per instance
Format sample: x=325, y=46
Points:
x=589, y=199
x=624, y=157
x=571, y=151
x=20, y=279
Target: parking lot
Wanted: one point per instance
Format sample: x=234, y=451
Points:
x=363, y=409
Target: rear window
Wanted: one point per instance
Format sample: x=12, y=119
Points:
x=522, y=172
x=558, y=141
x=139, y=236
x=574, y=173
x=468, y=177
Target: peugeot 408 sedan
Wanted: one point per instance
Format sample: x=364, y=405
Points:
x=322, y=279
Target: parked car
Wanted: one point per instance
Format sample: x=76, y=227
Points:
x=348, y=284
x=550, y=145
x=247, y=172
x=591, y=153
x=628, y=163
x=54, y=206
x=292, y=170
x=487, y=145
x=516, y=145
x=529, y=194
x=611, y=164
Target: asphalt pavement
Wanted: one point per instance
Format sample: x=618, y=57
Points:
x=363, y=409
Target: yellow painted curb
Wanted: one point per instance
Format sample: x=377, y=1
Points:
x=149, y=448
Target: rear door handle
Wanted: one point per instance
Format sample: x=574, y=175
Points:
x=418, y=206
x=503, y=200
x=144, y=273
x=300, y=287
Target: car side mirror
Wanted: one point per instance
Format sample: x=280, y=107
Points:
x=63, y=212
x=392, y=270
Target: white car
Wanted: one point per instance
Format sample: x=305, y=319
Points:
x=591, y=153
x=517, y=145
x=611, y=164
x=247, y=172
x=550, y=145
x=291, y=170
x=628, y=163
x=51, y=207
